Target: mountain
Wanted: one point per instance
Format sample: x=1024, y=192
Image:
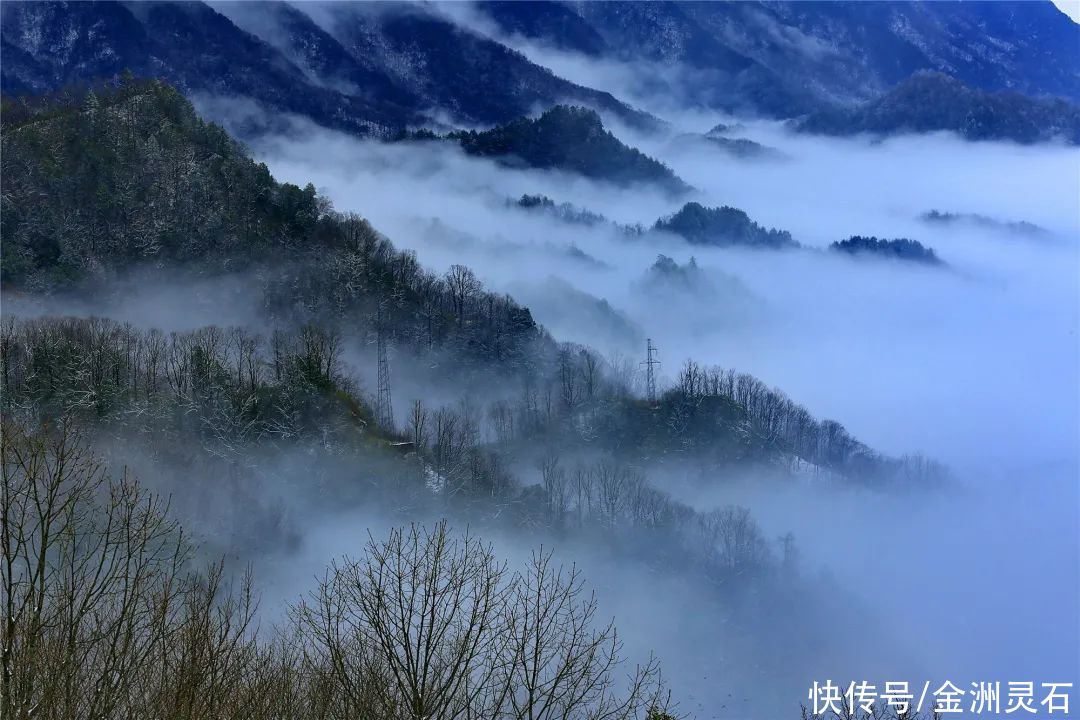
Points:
x=131, y=180
x=572, y=139
x=723, y=226
x=669, y=33
x=554, y=22
x=929, y=102
x=788, y=58
x=371, y=69
x=129, y=187
x=374, y=68
x=49, y=45
x=447, y=67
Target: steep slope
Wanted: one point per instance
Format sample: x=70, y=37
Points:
x=377, y=67
x=189, y=44
x=785, y=58
x=666, y=32
x=454, y=69
x=1029, y=47
x=367, y=70
x=133, y=180
x=932, y=102
x=130, y=185
x=316, y=52
x=553, y=22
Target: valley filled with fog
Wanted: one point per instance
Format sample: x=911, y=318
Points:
x=975, y=364
x=335, y=308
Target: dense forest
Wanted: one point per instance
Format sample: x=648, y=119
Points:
x=129, y=177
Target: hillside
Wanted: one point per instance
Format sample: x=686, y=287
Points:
x=787, y=58
x=157, y=187
x=369, y=71
x=262, y=437
x=50, y=45
x=162, y=193
x=930, y=102
x=378, y=67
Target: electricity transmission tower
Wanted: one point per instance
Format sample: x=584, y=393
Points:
x=384, y=408
x=650, y=373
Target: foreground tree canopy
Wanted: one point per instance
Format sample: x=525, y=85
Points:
x=106, y=616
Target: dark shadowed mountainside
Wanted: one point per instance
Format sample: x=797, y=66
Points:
x=931, y=102
x=367, y=70
x=374, y=68
x=783, y=58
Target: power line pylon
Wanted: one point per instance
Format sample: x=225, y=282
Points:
x=384, y=407
x=650, y=373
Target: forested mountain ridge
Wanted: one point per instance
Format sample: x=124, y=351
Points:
x=264, y=435
x=378, y=68
x=693, y=222
x=159, y=190
x=785, y=58
x=930, y=102
x=376, y=73
x=130, y=176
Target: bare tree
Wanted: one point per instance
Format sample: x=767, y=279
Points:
x=563, y=663
x=418, y=417
x=463, y=286
x=103, y=618
x=89, y=577
x=424, y=605
x=554, y=482
x=735, y=538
